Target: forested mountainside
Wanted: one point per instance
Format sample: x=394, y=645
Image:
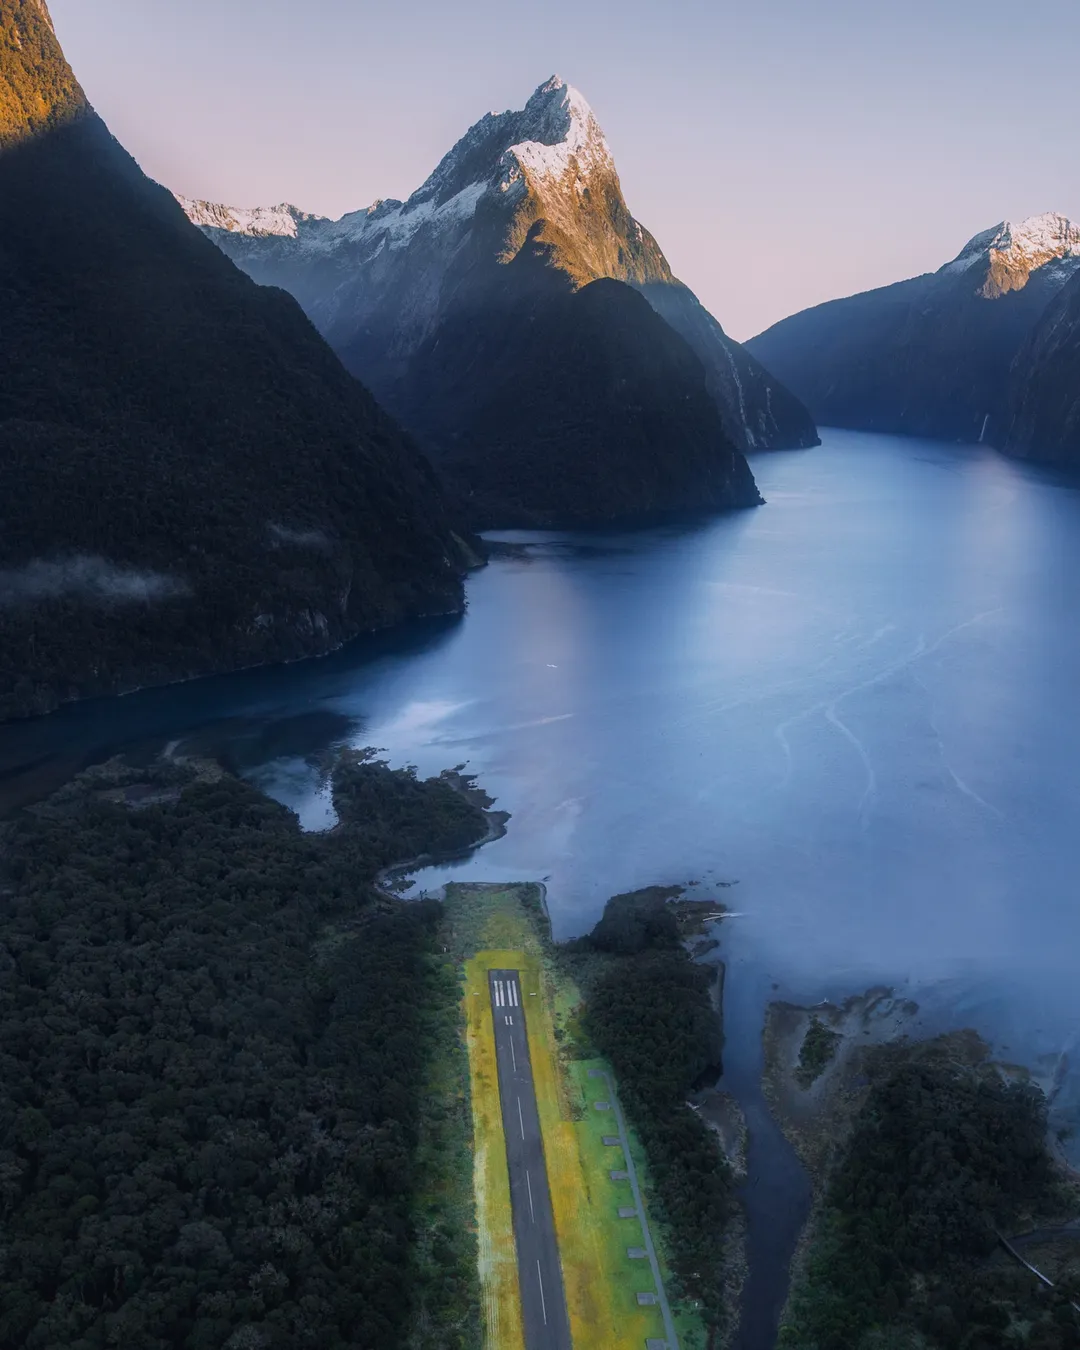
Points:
x=930, y=356
x=1044, y=411
x=213, y=1096
x=189, y=479
x=578, y=425
x=525, y=213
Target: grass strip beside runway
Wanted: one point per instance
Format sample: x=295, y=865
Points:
x=601, y=1281
x=491, y=1184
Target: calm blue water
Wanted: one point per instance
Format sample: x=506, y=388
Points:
x=859, y=703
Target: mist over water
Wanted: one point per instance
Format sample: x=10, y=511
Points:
x=858, y=703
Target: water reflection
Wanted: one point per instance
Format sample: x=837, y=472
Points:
x=857, y=702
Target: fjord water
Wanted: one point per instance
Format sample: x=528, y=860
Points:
x=859, y=703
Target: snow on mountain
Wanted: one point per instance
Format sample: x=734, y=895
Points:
x=262, y=221
x=546, y=153
x=1012, y=252
x=540, y=179
x=559, y=137
x=574, y=143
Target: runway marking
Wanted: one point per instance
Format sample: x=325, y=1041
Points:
x=513, y=1056
x=521, y=1119
x=543, y=1305
x=528, y=1183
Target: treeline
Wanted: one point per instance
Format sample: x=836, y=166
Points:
x=213, y=1050
x=398, y=816
x=648, y=1011
x=943, y=1155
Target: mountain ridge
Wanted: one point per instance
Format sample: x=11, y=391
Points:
x=930, y=355
x=189, y=479
x=543, y=173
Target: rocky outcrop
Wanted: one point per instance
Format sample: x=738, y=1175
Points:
x=930, y=356
x=522, y=193
x=189, y=479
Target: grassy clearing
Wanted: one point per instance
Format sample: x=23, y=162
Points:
x=496, y=927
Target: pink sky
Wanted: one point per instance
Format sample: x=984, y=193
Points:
x=783, y=152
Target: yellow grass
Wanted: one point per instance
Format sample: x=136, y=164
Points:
x=491, y=1182
x=600, y=1279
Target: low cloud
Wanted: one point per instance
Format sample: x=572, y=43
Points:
x=285, y=534
x=94, y=580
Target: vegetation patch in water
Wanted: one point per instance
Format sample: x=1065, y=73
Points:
x=817, y=1052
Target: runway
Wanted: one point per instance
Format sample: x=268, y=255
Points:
x=543, y=1299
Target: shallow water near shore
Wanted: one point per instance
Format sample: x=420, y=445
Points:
x=858, y=703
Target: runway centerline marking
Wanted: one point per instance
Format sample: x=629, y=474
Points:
x=535, y=1238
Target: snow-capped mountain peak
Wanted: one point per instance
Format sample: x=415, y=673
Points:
x=552, y=145
x=262, y=221
x=560, y=128
x=534, y=190
x=556, y=132
x=1012, y=252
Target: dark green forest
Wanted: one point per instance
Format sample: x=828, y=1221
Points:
x=213, y=1047
x=398, y=816
x=189, y=478
x=816, y=1052
x=648, y=1011
x=943, y=1155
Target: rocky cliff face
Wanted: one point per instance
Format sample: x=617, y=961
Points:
x=189, y=479
x=536, y=186
x=1044, y=410
x=930, y=356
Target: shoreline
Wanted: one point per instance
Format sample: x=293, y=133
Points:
x=497, y=821
x=817, y=1112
